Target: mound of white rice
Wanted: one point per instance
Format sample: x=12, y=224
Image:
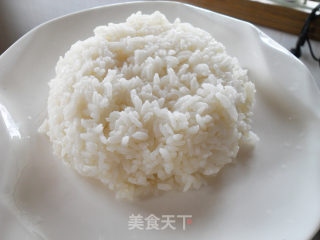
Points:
x=149, y=105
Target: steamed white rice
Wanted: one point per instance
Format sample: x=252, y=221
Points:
x=149, y=105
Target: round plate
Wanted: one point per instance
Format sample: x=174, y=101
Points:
x=271, y=193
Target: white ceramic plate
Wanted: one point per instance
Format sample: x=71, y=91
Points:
x=272, y=193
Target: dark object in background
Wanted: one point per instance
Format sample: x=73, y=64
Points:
x=303, y=36
x=317, y=236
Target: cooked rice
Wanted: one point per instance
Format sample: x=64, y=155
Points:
x=149, y=105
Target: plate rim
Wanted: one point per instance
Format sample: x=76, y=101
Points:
x=74, y=13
